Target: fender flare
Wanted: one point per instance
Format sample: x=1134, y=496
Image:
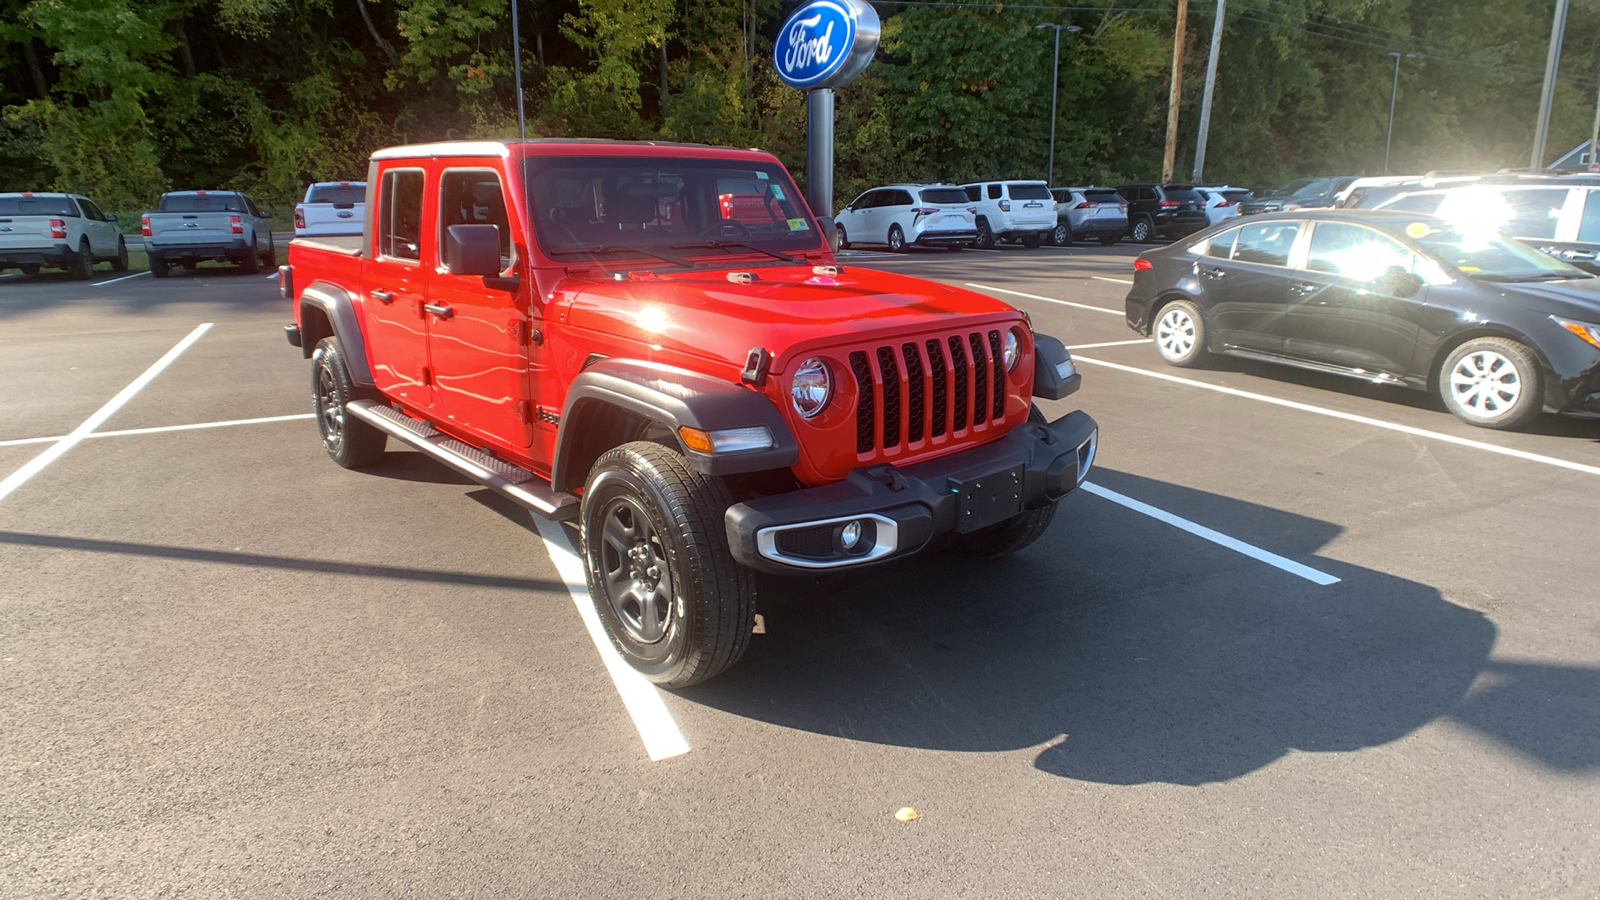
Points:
x=674, y=398
x=335, y=303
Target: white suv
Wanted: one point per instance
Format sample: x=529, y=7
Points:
x=1560, y=216
x=1022, y=211
x=62, y=231
x=904, y=215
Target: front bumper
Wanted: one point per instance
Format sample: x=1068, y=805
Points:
x=54, y=255
x=897, y=511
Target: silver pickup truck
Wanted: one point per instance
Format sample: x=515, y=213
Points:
x=188, y=227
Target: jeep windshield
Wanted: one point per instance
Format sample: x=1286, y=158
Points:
x=663, y=206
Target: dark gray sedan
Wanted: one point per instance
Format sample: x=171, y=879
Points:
x=1501, y=331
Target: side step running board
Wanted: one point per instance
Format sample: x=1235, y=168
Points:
x=518, y=485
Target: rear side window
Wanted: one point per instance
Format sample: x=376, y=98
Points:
x=1427, y=204
x=346, y=195
x=994, y=192
x=1589, y=228
x=974, y=193
x=900, y=198
x=1103, y=196
x=37, y=206
x=1266, y=242
x=197, y=203
x=943, y=195
x=400, y=215
x=1221, y=245
x=1029, y=192
x=474, y=197
x=1533, y=213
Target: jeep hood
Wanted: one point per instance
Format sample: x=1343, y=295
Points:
x=786, y=309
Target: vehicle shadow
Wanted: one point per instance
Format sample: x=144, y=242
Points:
x=1130, y=652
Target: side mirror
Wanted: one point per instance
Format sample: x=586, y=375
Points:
x=830, y=232
x=472, y=250
x=111, y=217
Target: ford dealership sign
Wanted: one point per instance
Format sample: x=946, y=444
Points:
x=826, y=43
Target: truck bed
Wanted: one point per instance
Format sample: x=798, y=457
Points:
x=343, y=244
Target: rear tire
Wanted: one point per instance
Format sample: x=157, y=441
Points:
x=349, y=441
x=985, y=238
x=251, y=264
x=81, y=266
x=29, y=270
x=158, y=266
x=1014, y=533
x=897, y=239
x=1180, y=334
x=1492, y=383
x=664, y=584
x=1108, y=241
x=119, y=263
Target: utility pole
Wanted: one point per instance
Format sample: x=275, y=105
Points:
x=1177, y=88
x=1594, y=137
x=1205, y=99
x=1394, y=88
x=1557, y=27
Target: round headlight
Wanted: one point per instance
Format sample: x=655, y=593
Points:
x=1011, y=349
x=811, y=388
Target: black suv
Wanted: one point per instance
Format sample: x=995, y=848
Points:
x=1301, y=193
x=1163, y=210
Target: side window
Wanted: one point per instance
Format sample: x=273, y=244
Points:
x=1354, y=252
x=474, y=197
x=902, y=198
x=1426, y=204
x=1589, y=227
x=250, y=206
x=1533, y=213
x=400, y=214
x=973, y=193
x=91, y=211
x=862, y=202
x=994, y=192
x=1221, y=245
x=873, y=199
x=1267, y=243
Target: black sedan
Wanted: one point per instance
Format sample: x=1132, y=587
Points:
x=1500, y=330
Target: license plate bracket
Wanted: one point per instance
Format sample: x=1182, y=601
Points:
x=984, y=500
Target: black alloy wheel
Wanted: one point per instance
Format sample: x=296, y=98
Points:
x=158, y=265
x=1142, y=231
x=350, y=442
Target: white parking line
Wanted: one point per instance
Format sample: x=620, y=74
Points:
x=985, y=287
x=35, y=465
x=1117, y=280
x=158, y=430
x=1316, y=576
x=1351, y=417
x=657, y=728
x=1109, y=344
x=115, y=280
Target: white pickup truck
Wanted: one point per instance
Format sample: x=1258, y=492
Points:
x=189, y=227
x=62, y=231
x=331, y=207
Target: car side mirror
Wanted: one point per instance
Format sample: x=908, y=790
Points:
x=472, y=250
x=111, y=217
x=830, y=231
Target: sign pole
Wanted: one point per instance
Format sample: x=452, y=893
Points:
x=819, y=151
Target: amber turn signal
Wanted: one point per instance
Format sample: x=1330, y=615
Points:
x=695, y=439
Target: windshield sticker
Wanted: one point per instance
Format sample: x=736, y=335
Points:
x=798, y=225
x=761, y=175
x=776, y=191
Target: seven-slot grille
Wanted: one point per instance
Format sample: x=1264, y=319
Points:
x=927, y=389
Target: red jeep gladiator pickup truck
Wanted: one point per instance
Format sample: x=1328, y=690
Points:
x=656, y=340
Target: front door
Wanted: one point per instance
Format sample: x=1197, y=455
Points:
x=1349, y=308
x=477, y=326
x=396, y=287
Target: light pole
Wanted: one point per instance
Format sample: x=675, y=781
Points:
x=1055, y=72
x=1558, y=27
x=1394, y=88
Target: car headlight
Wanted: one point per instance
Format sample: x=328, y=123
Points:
x=1589, y=333
x=1011, y=349
x=811, y=387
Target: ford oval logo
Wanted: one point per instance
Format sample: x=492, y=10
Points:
x=826, y=43
x=344, y=213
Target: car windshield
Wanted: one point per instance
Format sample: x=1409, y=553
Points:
x=1316, y=188
x=186, y=203
x=652, y=205
x=944, y=195
x=337, y=194
x=37, y=206
x=1029, y=192
x=1482, y=253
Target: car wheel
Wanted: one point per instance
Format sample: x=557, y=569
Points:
x=158, y=266
x=1108, y=241
x=985, y=238
x=1492, y=383
x=271, y=256
x=1180, y=334
x=897, y=239
x=82, y=265
x=119, y=263
x=1032, y=241
x=844, y=239
x=30, y=270
x=1142, y=231
x=1061, y=236
x=251, y=263
x=350, y=442
x=1014, y=533
x=671, y=598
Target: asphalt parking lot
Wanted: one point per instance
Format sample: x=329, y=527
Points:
x=1300, y=637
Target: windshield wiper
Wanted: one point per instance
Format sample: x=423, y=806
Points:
x=726, y=245
x=612, y=249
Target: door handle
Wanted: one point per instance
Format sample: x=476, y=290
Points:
x=439, y=309
x=383, y=297
x=1212, y=273
x=1302, y=287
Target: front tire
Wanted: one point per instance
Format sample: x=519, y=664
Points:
x=349, y=441
x=844, y=239
x=270, y=258
x=664, y=584
x=1015, y=533
x=1061, y=236
x=119, y=263
x=1492, y=383
x=1180, y=334
x=897, y=239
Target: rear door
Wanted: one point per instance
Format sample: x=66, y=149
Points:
x=1245, y=278
x=395, y=286
x=475, y=324
x=1578, y=240
x=1346, y=310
